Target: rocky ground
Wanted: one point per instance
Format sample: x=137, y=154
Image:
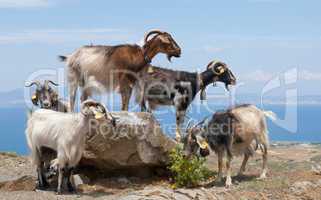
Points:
x=293, y=174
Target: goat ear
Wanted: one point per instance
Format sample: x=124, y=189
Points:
x=201, y=142
x=34, y=99
x=164, y=39
x=55, y=97
x=232, y=116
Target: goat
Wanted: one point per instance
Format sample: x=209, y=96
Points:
x=159, y=86
x=45, y=97
x=64, y=133
x=236, y=131
x=115, y=67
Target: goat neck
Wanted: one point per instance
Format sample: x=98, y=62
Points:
x=206, y=78
x=85, y=122
x=150, y=49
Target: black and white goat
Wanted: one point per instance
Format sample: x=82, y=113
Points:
x=159, y=86
x=64, y=133
x=236, y=131
x=45, y=97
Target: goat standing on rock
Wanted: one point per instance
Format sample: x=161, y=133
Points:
x=115, y=67
x=237, y=131
x=64, y=133
x=159, y=86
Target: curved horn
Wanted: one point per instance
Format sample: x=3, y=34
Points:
x=201, y=122
x=155, y=31
x=189, y=124
x=33, y=83
x=50, y=81
x=211, y=64
x=88, y=102
x=220, y=67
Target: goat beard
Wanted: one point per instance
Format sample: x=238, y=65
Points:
x=227, y=88
x=169, y=58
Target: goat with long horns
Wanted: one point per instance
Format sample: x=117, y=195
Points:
x=45, y=97
x=164, y=87
x=109, y=68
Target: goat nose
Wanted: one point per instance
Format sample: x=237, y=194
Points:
x=46, y=104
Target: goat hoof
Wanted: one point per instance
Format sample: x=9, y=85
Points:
x=262, y=176
x=71, y=189
x=42, y=187
x=218, y=179
x=240, y=174
x=58, y=192
x=228, y=183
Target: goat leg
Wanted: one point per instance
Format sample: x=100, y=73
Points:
x=72, y=99
x=42, y=181
x=68, y=177
x=143, y=105
x=242, y=169
x=60, y=180
x=228, y=181
x=264, y=170
x=180, y=114
x=220, y=166
x=125, y=97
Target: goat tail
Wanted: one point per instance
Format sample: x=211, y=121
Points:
x=270, y=115
x=62, y=58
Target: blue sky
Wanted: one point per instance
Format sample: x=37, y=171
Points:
x=257, y=38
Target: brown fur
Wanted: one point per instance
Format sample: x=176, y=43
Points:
x=114, y=67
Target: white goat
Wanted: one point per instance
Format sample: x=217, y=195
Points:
x=66, y=134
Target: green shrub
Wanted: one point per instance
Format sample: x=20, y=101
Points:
x=187, y=172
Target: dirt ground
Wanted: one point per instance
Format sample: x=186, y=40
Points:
x=293, y=174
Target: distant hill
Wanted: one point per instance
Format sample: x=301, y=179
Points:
x=15, y=98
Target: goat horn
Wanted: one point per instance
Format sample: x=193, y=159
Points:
x=88, y=102
x=220, y=67
x=50, y=81
x=33, y=83
x=156, y=31
x=211, y=64
x=201, y=122
x=112, y=118
x=189, y=124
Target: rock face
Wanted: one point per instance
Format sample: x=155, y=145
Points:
x=137, y=143
x=27, y=183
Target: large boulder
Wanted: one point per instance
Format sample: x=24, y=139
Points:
x=134, y=146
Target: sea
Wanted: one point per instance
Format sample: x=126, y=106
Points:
x=296, y=123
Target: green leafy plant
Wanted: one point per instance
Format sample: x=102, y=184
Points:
x=187, y=172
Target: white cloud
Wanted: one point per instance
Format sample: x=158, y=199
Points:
x=257, y=75
x=23, y=3
x=212, y=49
x=56, y=36
x=309, y=76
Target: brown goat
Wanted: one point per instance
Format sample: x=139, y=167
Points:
x=109, y=68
